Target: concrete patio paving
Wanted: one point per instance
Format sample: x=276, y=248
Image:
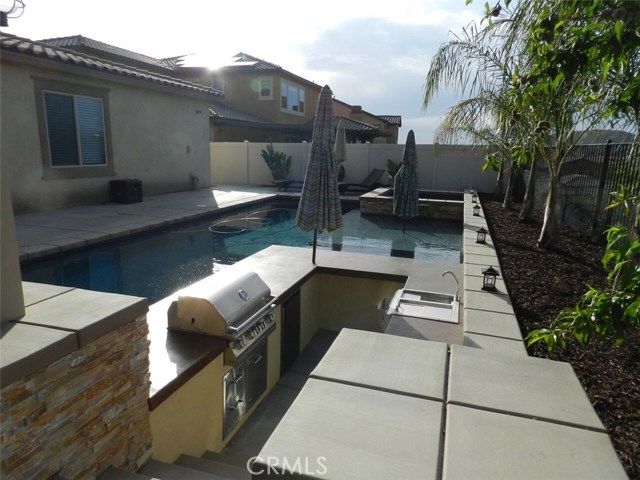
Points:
x=53, y=231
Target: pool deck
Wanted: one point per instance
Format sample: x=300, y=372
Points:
x=53, y=231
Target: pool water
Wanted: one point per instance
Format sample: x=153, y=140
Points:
x=155, y=265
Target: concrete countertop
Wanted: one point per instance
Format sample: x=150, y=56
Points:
x=59, y=321
x=505, y=416
x=177, y=356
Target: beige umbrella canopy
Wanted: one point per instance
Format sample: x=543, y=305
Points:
x=319, y=208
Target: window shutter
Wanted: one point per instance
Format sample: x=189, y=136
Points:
x=90, y=130
x=61, y=128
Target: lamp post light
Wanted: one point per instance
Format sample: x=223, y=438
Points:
x=476, y=210
x=489, y=279
x=474, y=197
x=481, y=235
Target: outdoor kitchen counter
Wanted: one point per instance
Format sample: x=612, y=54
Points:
x=175, y=357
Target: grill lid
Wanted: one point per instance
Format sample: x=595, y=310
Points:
x=218, y=302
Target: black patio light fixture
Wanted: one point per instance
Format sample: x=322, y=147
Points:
x=474, y=197
x=481, y=235
x=489, y=279
x=10, y=9
x=476, y=210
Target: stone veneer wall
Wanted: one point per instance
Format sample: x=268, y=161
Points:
x=82, y=413
x=438, y=209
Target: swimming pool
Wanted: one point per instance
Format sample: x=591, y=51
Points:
x=156, y=264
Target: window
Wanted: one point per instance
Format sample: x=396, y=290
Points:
x=75, y=130
x=291, y=98
x=264, y=89
x=75, y=134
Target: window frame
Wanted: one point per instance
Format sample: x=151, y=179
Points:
x=56, y=172
x=301, y=90
x=260, y=95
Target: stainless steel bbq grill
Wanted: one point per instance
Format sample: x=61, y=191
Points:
x=236, y=307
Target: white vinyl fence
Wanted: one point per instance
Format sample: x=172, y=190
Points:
x=451, y=168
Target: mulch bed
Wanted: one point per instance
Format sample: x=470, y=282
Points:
x=542, y=283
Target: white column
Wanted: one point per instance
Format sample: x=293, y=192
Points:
x=11, y=299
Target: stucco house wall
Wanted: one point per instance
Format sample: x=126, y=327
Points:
x=159, y=135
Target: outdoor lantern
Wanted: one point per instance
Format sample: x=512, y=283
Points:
x=489, y=279
x=476, y=210
x=482, y=235
x=474, y=197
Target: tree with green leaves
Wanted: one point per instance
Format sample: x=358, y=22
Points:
x=583, y=69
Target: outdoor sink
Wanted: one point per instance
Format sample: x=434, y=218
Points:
x=422, y=304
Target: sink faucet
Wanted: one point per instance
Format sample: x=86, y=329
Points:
x=455, y=278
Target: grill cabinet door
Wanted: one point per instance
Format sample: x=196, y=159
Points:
x=256, y=374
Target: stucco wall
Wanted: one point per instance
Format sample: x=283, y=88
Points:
x=159, y=136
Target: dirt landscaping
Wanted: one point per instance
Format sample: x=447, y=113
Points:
x=541, y=283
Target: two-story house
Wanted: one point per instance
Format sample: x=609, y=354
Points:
x=263, y=101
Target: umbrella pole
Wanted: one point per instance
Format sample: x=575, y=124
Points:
x=315, y=241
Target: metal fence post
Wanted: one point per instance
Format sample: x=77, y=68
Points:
x=602, y=181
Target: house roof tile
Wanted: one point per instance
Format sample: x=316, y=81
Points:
x=76, y=41
x=249, y=63
x=227, y=114
x=224, y=112
x=392, y=119
x=355, y=125
x=24, y=46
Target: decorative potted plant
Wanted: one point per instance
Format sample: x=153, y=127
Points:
x=278, y=162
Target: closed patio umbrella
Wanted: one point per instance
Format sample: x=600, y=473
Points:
x=340, y=146
x=319, y=208
x=405, y=183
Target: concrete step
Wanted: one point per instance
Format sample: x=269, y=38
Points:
x=167, y=471
x=229, y=459
x=113, y=473
x=231, y=472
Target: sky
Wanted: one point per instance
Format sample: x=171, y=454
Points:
x=371, y=53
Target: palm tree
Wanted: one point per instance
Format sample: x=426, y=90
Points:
x=477, y=64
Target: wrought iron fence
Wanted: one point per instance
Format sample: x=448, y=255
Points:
x=588, y=176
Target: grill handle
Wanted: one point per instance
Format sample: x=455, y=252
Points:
x=233, y=330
